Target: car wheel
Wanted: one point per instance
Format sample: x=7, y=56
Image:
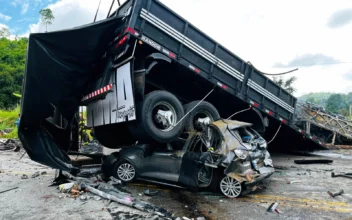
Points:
x=230, y=187
x=157, y=117
x=125, y=171
x=205, y=111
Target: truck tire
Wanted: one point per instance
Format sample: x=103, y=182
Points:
x=203, y=110
x=114, y=136
x=150, y=125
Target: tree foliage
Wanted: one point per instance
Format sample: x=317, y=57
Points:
x=47, y=17
x=336, y=103
x=4, y=32
x=286, y=84
x=319, y=98
x=12, y=62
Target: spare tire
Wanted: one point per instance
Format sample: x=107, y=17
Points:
x=202, y=111
x=156, y=118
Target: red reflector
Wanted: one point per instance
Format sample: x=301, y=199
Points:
x=130, y=30
x=271, y=113
x=172, y=55
x=122, y=41
x=283, y=120
x=255, y=104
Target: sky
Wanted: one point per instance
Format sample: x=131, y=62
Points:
x=274, y=35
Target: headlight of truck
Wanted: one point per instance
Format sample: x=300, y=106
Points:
x=241, y=154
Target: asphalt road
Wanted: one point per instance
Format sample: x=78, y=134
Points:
x=305, y=199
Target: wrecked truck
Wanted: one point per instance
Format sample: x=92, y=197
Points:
x=145, y=75
x=227, y=156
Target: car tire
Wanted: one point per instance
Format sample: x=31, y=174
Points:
x=204, y=109
x=230, y=187
x=148, y=128
x=114, y=136
x=125, y=171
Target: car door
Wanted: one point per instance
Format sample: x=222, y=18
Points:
x=163, y=164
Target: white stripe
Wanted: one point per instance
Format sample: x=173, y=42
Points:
x=183, y=39
x=250, y=82
x=192, y=45
x=270, y=96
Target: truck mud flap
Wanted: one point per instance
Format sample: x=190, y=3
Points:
x=59, y=66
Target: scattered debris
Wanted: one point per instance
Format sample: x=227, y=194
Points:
x=293, y=181
x=43, y=173
x=273, y=207
x=8, y=130
x=9, y=189
x=185, y=218
x=83, y=198
x=335, y=194
x=89, y=170
x=66, y=187
x=280, y=168
x=323, y=161
x=200, y=218
x=347, y=175
x=36, y=174
x=10, y=145
x=150, y=192
x=24, y=176
x=114, y=180
x=97, y=198
x=221, y=201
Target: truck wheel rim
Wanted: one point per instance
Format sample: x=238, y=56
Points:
x=201, y=115
x=230, y=187
x=159, y=119
x=126, y=172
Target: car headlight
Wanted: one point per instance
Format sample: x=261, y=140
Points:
x=241, y=154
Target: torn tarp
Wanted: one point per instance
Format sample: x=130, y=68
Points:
x=59, y=64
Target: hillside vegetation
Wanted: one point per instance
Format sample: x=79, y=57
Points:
x=333, y=102
x=7, y=120
x=12, y=62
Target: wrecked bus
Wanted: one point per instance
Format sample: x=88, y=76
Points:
x=145, y=75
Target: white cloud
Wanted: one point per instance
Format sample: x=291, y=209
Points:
x=12, y=36
x=3, y=26
x=262, y=32
x=5, y=17
x=72, y=13
x=24, y=8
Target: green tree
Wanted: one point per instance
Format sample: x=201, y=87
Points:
x=12, y=62
x=286, y=84
x=336, y=103
x=344, y=112
x=47, y=17
x=4, y=32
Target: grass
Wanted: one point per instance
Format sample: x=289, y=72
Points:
x=7, y=120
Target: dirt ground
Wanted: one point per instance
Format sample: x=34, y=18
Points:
x=305, y=199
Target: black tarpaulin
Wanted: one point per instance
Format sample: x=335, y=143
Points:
x=59, y=64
